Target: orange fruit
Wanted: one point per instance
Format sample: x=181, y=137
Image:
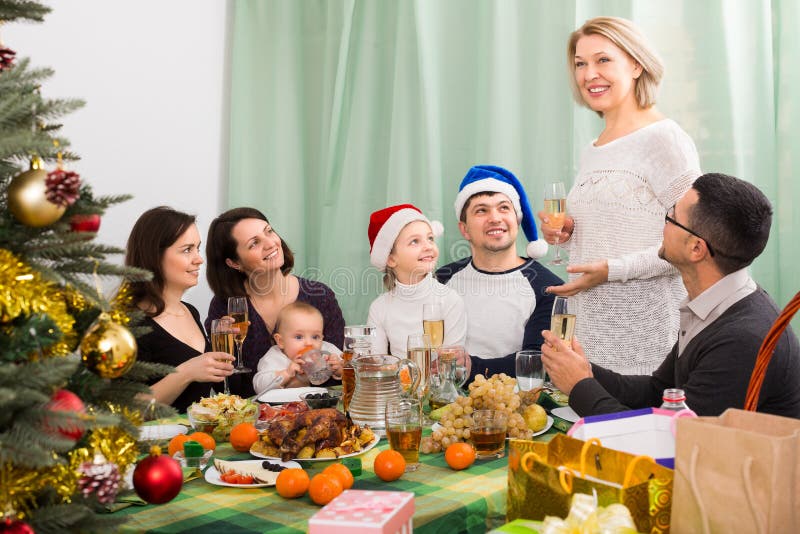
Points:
x=292, y=483
x=341, y=472
x=243, y=436
x=459, y=456
x=204, y=439
x=176, y=443
x=389, y=465
x=324, y=488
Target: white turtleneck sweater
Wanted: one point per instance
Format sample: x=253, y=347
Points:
x=397, y=314
x=618, y=202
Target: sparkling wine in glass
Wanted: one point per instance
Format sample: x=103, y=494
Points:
x=562, y=324
x=237, y=309
x=433, y=323
x=555, y=205
x=418, y=349
x=222, y=335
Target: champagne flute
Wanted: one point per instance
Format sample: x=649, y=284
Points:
x=562, y=324
x=418, y=348
x=433, y=323
x=237, y=309
x=555, y=205
x=222, y=334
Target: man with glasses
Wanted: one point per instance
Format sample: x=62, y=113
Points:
x=711, y=236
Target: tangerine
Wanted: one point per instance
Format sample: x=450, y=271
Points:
x=176, y=444
x=292, y=483
x=459, y=456
x=389, y=465
x=341, y=472
x=324, y=488
x=208, y=443
x=243, y=436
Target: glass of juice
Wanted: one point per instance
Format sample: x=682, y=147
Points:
x=404, y=429
x=488, y=433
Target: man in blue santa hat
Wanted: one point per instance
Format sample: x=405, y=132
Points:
x=504, y=294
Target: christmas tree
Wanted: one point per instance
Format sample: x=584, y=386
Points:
x=71, y=390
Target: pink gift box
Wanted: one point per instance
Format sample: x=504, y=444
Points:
x=360, y=511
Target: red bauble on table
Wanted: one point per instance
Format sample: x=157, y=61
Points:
x=158, y=478
x=64, y=400
x=85, y=223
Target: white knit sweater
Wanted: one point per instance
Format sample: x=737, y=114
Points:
x=618, y=202
x=397, y=314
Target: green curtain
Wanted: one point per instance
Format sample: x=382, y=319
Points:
x=342, y=107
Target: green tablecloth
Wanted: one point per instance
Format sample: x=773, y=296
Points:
x=473, y=500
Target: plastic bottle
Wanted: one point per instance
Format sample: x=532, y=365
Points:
x=674, y=400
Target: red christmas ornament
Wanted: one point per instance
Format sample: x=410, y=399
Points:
x=6, y=58
x=85, y=223
x=64, y=400
x=14, y=526
x=158, y=478
x=62, y=187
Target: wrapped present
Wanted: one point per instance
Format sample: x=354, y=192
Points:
x=361, y=512
x=650, y=432
x=542, y=477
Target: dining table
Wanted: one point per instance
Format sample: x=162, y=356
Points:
x=445, y=500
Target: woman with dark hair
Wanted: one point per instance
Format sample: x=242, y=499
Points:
x=167, y=243
x=247, y=258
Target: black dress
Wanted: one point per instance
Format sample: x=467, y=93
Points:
x=159, y=346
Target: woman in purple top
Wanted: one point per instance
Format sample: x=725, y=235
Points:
x=246, y=257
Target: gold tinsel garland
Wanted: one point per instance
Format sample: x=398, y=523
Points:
x=23, y=292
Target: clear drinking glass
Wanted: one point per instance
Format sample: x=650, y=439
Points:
x=530, y=370
x=488, y=433
x=418, y=349
x=404, y=429
x=222, y=334
x=237, y=309
x=562, y=324
x=555, y=205
x=433, y=323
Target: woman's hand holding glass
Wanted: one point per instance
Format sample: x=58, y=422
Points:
x=222, y=333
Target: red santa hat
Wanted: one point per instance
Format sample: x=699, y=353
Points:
x=386, y=224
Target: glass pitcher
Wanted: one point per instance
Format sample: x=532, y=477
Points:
x=357, y=342
x=378, y=384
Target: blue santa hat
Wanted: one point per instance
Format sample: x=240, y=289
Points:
x=489, y=178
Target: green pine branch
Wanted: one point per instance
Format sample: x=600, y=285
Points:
x=29, y=10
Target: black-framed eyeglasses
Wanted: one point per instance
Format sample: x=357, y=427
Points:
x=669, y=219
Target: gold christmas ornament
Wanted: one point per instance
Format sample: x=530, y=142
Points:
x=27, y=197
x=116, y=445
x=23, y=292
x=108, y=349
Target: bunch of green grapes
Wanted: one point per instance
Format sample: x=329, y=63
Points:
x=496, y=393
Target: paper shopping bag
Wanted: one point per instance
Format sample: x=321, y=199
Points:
x=739, y=472
x=542, y=477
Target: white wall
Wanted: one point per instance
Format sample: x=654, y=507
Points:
x=154, y=76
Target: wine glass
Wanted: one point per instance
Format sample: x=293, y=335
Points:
x=562, y=324
x=237, y=309
x=222, y=333
x=418, y=349
x=530, y=370
x=433, y=323
x=555, y=205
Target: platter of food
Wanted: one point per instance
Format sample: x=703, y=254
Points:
x=370, y=445
x=437, y=426
x=284, y=395
x=246, y=473
x=218, y=414
x=322, y=434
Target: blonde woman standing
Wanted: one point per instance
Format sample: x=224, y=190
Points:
x=627, y=298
